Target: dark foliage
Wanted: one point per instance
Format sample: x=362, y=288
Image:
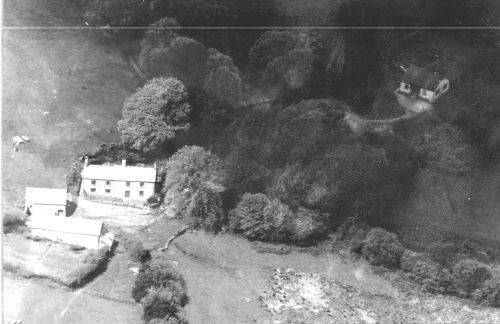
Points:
x=429, y=274
x=13, y=223
x=135, y=249
x=193, y=188
x=469, y=275
x=154, y=114
x=489, y=293
x=382, y=248
x=159, y=274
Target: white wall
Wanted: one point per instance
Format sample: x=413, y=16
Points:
x=117, y=189
x=47, y=210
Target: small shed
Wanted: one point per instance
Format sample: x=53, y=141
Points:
x=45, y=201
x=79, y=231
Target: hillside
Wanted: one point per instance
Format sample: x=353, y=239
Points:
x=62, y=89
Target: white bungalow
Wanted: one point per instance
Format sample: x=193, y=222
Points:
x=427, y=85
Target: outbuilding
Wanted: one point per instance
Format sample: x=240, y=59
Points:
x=88, y=233
x=45, y=201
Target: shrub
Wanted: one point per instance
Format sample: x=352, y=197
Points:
x=76, y=247
x=382, y=248
x=469, y=275
x=94, y=264
x=489, y=293
x=307, y=226
x=426, y=272
x=135, y=249
x=160, y=274
x=260, y=218
x=160, y=302
x=12, y=223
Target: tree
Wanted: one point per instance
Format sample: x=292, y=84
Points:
x=223, y=82
x=155, y=41
x=284, y=56
x=166, y=54
x=154, y=114
x=192, y=187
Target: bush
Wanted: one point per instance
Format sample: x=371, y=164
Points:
x=160, y=302
x=426, y=272
x=469, y=275
x=94, y=264
x=260, y=218
x=307, y=226
x=160, y=274
x=382, y=248
x=489, y=293
x=12, y=223
x=135, y=249
x=76, y=247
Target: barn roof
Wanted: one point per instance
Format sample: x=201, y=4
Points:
x=46, y=196
x=119, y=173
x=421, y=77
x=67, y=225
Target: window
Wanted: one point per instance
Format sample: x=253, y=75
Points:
x=107, y=190
x=142, y=184
x=60, y=212
x=92, y=182
x=92, y=189
x=108, y=182
x=127, y=194
x=141, y=193
x=406, y=86
x=128, y=184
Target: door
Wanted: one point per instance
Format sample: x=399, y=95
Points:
x=60, y=212
x=127, y=194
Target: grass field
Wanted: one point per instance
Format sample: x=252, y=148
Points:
x=61, y=88
x=42, y=258
x=34, y=302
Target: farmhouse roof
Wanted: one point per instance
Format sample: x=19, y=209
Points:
x=119, y=173
x=421, y=77
x=68, y=225
x=46, y=196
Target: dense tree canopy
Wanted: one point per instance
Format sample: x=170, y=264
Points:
x=154, y=114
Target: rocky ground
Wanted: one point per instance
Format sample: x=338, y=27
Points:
x=301, y=297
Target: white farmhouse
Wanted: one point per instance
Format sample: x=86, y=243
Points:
x=132, y=184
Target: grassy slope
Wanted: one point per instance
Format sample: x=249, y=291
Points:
x=61, y=88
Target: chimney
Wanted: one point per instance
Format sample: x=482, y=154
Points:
x=124, y=163
x=86, y=162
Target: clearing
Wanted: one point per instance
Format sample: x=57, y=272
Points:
x=229, y=282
